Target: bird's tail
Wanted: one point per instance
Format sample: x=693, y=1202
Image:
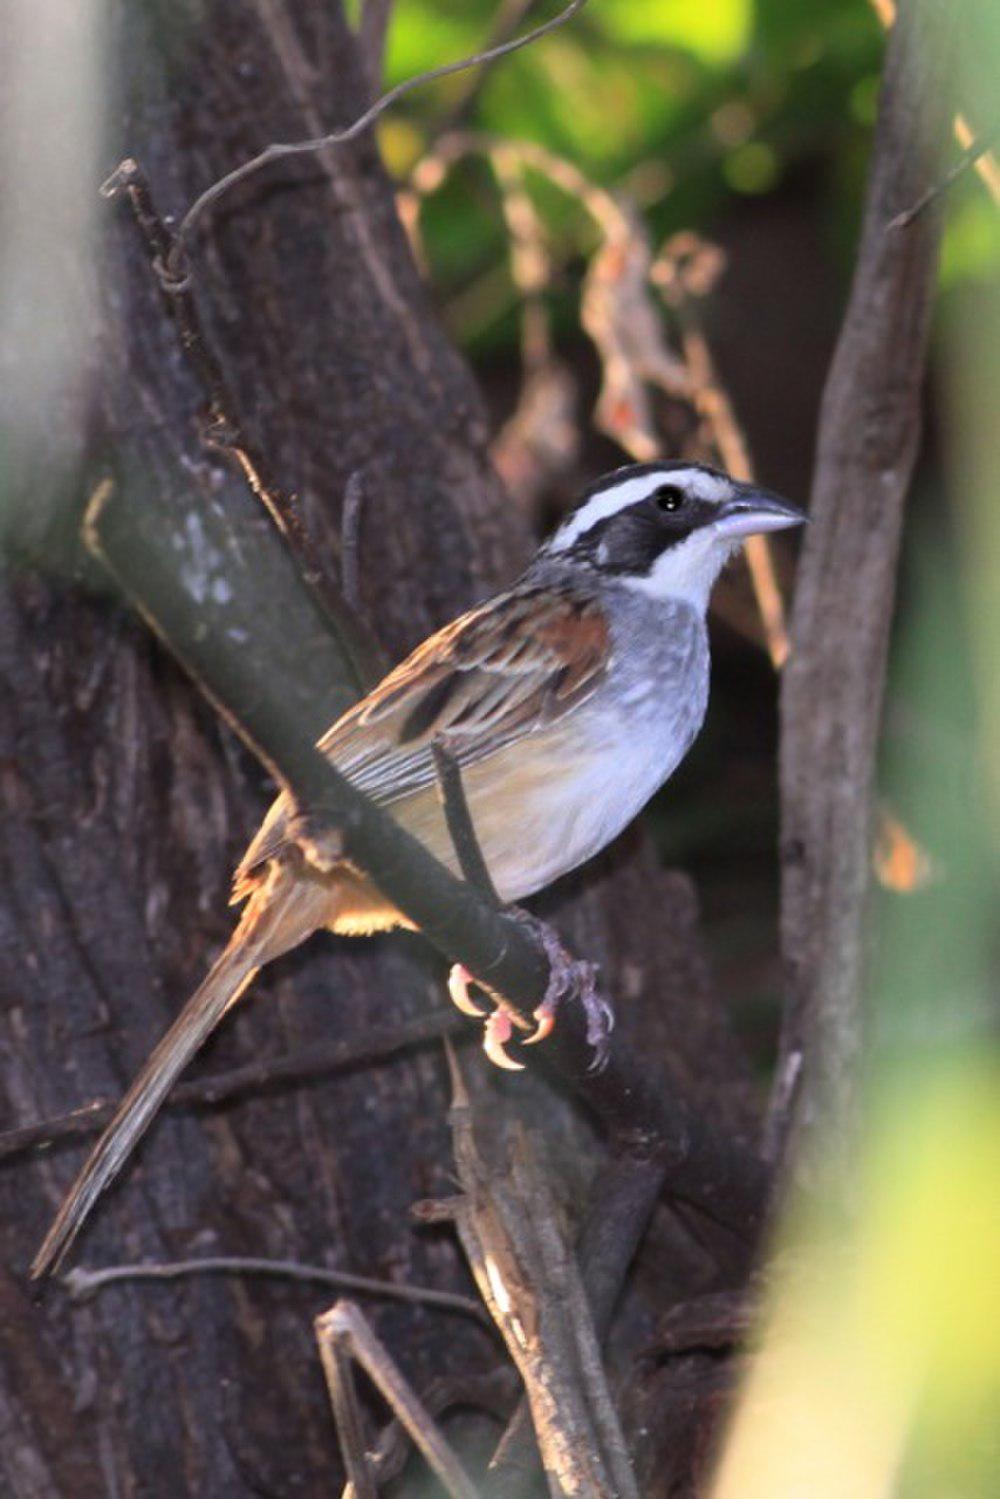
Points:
x=277, y=919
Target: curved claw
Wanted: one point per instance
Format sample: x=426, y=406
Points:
x=545, y=1024
x=458, y=988
x=496, y=1034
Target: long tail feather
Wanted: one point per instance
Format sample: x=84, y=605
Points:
x=280, y=915
x=202, y=1013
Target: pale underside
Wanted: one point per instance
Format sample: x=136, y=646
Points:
x=531, y=823
x=557, y=753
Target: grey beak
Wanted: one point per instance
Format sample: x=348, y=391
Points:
x=752, y=510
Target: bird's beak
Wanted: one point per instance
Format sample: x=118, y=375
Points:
x=752, y=510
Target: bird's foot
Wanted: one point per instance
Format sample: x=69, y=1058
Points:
x=499, y=1025
x=568, y=977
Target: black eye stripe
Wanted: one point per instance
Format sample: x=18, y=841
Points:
x=629, y=541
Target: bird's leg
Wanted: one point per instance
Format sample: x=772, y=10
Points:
x=568, y=977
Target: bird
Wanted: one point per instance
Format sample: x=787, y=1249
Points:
x=567, y=700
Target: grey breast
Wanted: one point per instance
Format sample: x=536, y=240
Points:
x=661, y=666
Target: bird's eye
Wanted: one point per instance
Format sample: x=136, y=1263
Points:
x=668, y=497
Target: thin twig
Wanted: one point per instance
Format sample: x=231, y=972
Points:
x=174, y=269
x=461, y=828
x=223, y=431
x=509, y=17
x=986, y=165
x=344, y=1326
x=300, y=1066
x=82, y=1283
x=974, y=151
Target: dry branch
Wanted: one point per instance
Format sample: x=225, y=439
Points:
x=82, y=1283
x=303, y=1066
x=343, y=1335
x=527, y=1275
x=222, y=430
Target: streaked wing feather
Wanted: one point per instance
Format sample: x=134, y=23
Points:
x=497, y=673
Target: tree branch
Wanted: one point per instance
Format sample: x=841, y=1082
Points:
x=223, y=431
x=297, y=1067
x=832, y=688
x=81, y=1282
x=527, y=1275
x=343, y=1333
x=973, y=153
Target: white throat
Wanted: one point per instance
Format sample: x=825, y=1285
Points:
x=686, y=571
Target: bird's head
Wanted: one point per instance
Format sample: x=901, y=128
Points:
x=666, y=529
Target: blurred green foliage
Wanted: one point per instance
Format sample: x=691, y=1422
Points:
x=685, y=107
x=688, y=108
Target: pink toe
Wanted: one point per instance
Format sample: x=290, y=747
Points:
x=545, y=1024
x=496, y=1034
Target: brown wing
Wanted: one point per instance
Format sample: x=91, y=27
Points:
x=499, y=672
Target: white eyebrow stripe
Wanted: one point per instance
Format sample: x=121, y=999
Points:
x=601, y=505
x=619, y=496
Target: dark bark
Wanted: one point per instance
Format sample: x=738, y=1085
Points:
x=126, y=804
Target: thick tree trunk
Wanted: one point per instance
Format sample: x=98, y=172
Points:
x=126, y=804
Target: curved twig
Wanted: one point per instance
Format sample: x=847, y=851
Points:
x=174, y=271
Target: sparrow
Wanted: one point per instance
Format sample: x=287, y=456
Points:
x=567, y=701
